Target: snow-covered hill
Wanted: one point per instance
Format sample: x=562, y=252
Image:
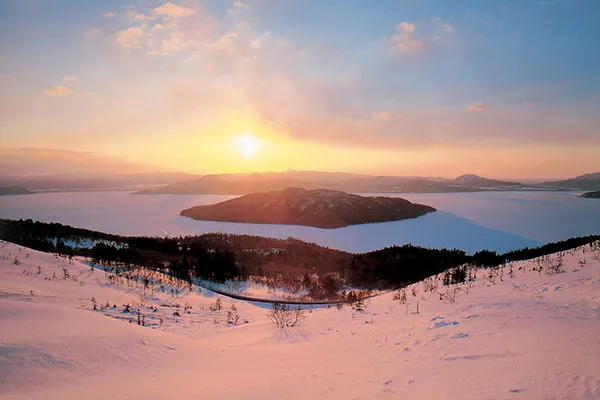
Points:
x=511, y=333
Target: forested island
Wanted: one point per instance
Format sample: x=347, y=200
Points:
x=320, y=208
x=591, y=195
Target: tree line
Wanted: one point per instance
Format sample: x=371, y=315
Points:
x=220, y=257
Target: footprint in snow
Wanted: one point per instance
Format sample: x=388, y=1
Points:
x=444, y=323
x=460, y=336
x=387, y=388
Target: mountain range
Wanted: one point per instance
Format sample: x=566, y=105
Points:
x=244, y=183
x=358, y=183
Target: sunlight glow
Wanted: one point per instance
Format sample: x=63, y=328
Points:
x=247, y=145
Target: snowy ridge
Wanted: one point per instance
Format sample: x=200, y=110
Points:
x=515, y=332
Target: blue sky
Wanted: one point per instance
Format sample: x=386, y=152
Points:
x=166, y=84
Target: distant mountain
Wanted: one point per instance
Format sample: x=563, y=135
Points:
x=12, y=190
x=320, y=208
x=591, y=195
x=101, y=182
x=583, y=182
x=480, y=182
x=355, y=183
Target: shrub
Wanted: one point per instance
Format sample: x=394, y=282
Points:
x=216, y=306
x=359, y=305
x=283, y=317
x=401, y=296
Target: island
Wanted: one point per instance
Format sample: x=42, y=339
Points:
x=321, y=208
x=591, y=195
x=13, y=190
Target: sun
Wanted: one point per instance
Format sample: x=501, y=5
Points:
x=247, y=144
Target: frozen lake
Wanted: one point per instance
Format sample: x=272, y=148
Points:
x=499, y=221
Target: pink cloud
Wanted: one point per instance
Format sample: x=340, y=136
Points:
x=406, y=28
x=58, y=91
x=173, y=11
x=130, y=37
x=388, y=116
x=479, y=106
x=404, y=40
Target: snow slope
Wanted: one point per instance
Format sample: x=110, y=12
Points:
x=532, y=336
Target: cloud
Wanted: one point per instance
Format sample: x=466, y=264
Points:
x=42, y=161
x=225, y=42
x=58, y=91
x=255, y=43
x=108, y=14
x=236, y=7
x=388, y=116
x=173, y=11
x=69, y=78
x=418, y=129
x=552, y=2
x=404, y=39
x=173, y=43
x=406, y=28
x=442, y=25
x=92, y=32
x=479, y=106
x=176, y=29
x=130, y=37
x=158, y=27
x=140, y=17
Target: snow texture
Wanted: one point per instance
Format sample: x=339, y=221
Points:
x=512, y=333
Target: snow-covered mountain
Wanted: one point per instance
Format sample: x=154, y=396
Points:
x=528, y=330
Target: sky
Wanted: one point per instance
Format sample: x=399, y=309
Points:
x=503, y=89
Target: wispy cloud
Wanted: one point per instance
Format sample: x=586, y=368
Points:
x=58, y=90
x=237, y=6
x=240, y=4
x=404, y=39
x=442, y=25
x=69, y=78
x=479, y=106
x=388, y=116
x=92, y=32
x=133, y=16
x=173, y=43
x=226, y=42
x=108, y=14
x=130, y=38
x=33, y=161
x=552, y=2
x=172, y=10
x=158, y=27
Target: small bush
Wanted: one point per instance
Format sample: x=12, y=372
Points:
x=359, y=306
x=216, y=306
x=400, y=295
x=283, y=317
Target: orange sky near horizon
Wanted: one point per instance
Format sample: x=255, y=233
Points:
x=432, y=90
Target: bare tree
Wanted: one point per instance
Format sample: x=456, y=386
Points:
x=283, y=317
